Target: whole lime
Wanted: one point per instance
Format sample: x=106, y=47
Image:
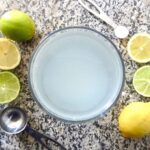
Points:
x=17, y=25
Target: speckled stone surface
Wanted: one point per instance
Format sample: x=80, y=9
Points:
x=102, y=134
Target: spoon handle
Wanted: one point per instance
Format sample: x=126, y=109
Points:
x=41, y=138
x=97, y=11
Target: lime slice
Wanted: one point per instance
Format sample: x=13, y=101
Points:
x=9, y=54
x=139, y=47
x=141, y=81
x=9, y=87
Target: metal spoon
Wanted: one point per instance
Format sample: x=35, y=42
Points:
x=92, y=7
x=13, y=120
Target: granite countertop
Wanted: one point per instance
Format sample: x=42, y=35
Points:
x=102, y=134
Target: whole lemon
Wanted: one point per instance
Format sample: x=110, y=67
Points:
x=134, y=120
x=17, y=25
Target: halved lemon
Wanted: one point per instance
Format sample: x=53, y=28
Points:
x=139, y=47
x=9, y=54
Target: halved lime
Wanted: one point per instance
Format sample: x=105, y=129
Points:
x=9, y=87
x=141, y=81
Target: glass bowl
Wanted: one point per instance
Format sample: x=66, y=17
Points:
x=76, y=74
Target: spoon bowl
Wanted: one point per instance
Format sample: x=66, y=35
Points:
x=13, y=120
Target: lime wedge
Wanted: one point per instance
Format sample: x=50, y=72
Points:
x=141, y=81
x=9, y=87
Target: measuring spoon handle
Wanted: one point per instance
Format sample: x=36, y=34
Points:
x=41, y=138
x=98, y=12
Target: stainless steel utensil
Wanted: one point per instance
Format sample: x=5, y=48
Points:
x=13, y=120
x=92, y=7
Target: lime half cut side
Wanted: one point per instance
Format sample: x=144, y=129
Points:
x=9, y=87
x=141, y=81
